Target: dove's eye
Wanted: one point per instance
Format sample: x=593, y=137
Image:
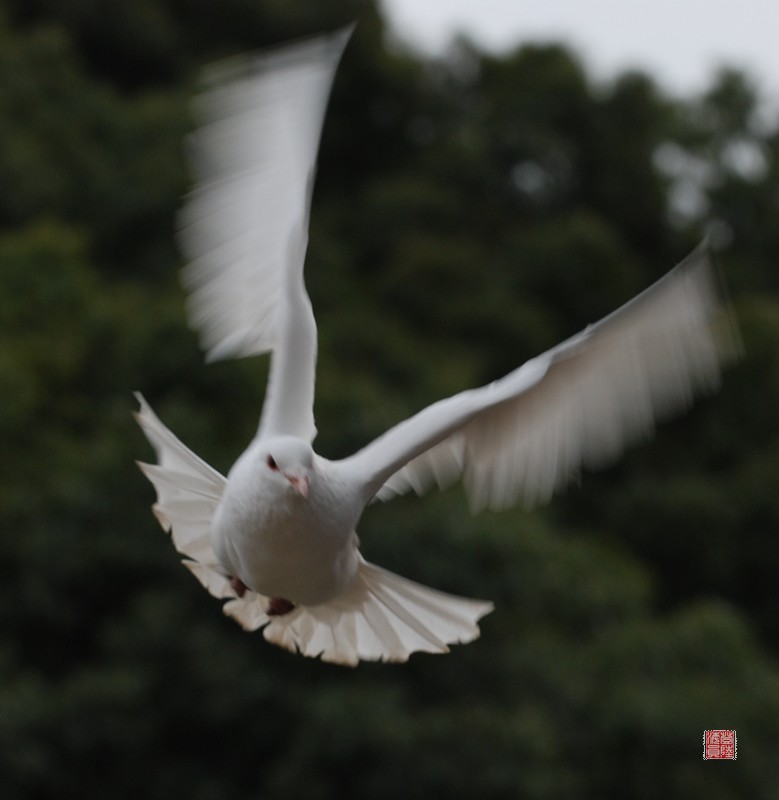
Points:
x=271, y=462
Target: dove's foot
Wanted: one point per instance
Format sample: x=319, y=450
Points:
x=278, y=606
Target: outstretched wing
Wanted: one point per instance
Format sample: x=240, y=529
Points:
x=245, y=225
x=578, y=404
x=253, y=160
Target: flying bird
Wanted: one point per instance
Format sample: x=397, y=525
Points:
x=277, y=536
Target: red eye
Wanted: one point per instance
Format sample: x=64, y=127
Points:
x=271, y=462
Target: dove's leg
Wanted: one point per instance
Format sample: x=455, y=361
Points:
x=278, y=606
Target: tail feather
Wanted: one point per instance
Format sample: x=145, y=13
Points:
x=383, y=617
x=188, y=492
x=248, y=611
x=213, y=581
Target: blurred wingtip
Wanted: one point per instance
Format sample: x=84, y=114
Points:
x=327, y=47
x=729, y=340
x=252, y=158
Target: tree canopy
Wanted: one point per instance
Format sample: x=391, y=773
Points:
x=470, y=211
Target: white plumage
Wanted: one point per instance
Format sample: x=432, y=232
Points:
x=277, y=536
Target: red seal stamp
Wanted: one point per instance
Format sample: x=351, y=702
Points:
x=719, y=745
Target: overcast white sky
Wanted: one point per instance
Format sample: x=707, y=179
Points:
x=679, y=42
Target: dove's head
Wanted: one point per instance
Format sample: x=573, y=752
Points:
x=290, y=462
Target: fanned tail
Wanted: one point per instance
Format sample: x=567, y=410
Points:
x=383, y=617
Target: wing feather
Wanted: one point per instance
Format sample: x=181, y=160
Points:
x=253, y=159
x=579, y=404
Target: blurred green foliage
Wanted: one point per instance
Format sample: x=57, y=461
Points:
x=470, y=212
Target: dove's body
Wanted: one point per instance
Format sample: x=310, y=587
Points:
x=277, y=536
x=281, y=544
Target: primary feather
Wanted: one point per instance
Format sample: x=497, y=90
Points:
x=253, y=158
x=276, y=537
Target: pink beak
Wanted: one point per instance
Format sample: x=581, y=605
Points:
x=299, y=483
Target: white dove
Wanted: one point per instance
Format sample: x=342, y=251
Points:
x=277, y=536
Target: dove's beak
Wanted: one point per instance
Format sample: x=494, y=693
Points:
x=298, y=482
